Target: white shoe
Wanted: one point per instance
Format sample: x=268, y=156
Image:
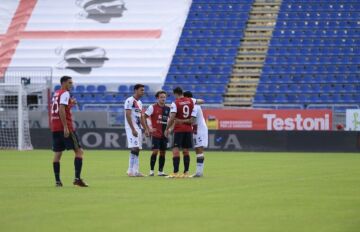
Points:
x=196, y=175
x=151, y=173
x=162, y=174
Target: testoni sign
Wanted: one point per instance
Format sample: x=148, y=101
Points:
x=353, y=120
x=278, y=120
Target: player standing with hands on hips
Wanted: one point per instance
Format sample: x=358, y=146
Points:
x=63, y=133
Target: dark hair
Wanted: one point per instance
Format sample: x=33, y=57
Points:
x=178, y=91
x=64, y=79
x=160, y=92
x=188, y=94
x=138, y=86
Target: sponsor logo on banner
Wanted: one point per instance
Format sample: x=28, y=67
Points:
x=278, y=120
x=353, y=120
x=101, y=11
x=273, y=122
x=81, y=59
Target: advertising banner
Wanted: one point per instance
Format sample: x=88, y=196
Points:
x=277, y=120
x=353, y=120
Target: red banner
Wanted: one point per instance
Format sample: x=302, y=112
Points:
x=252, y=119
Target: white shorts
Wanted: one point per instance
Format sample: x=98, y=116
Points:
x=201, y=140
x=133, y=141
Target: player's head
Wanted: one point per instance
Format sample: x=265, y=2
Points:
x=161, y=97
x=188, y=94
x=139, y=90
x=66, y=83
x=178, y=92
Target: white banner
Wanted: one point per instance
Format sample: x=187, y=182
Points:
x=104, y=41
x=353, y=120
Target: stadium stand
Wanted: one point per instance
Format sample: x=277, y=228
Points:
x=207, y=48
x=314, y=56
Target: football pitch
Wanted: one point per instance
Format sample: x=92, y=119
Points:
x=241, y=191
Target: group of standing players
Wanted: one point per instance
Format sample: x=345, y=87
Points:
x=184, y=118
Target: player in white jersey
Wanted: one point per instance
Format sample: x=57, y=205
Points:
x=200, y=137
x=134, y=122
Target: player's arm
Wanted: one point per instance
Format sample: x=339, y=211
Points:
x=144, y=124
x=63, y=120
x=170, y=124
x=147, y=116
x=198, y=101
x=128, y=119
x=171, y=121
x=64, y=101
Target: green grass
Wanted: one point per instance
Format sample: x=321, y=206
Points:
x=241, y=192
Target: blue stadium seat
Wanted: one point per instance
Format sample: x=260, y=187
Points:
x=101, y=88
x=123, y=89
x=90, y=88
x=80, y=89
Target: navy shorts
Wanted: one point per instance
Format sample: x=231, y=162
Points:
x=159, y=143
x=183, y=139
x=60, y=143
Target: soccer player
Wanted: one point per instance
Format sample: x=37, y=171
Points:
x=158, y=113
x=181, y=109
x=134, y=122
x=200, y=133
x=63, y=133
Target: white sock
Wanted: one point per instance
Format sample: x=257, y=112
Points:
x=200, y=166
x=131, y=164
x=136, y=164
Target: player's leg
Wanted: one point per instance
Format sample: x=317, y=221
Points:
x=200, y=141
x=72, y=142
x=199, y=162
x=56, y=168
x=78, y=162
x=163, y=147
x=155, y=151
x=58, y=147
x=136, y=151
x=176, y=155
x=153, y=161
x=187, y=144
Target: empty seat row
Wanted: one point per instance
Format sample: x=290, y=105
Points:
x=212, y=33
x=209, y=42
x=355, y=41
x=312, y=68
x=200, y=15
x=208, y=88
x=215, y=24
x=197, y=79
x=315, y=6
x=208, y=51
x=319, y=15
x=229, y=7
x=307, y=98
x=199, y=69
x=203, y=60
x=305, y=50
x=328, y=24
x=83, y=88
x=347, y=32
x=308, y=88
x=307, y=59
x=310, y=78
